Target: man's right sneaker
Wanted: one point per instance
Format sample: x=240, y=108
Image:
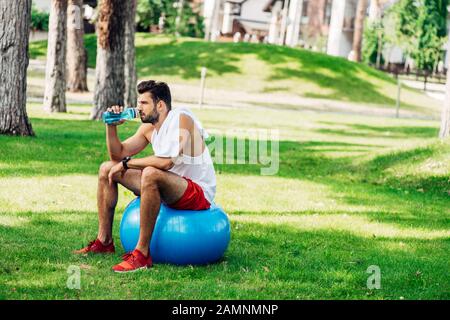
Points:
x=133, y=261
x=96, y=246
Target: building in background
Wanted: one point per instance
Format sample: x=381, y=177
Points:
x=315, y=23
x=226, y=18
x=245, y=17
x=42, y=5
x=284, y=22
x=89, y=12
x=320, y=25
x=342, y=26
x=299, y=22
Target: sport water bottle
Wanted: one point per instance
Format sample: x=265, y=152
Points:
x=127, y=114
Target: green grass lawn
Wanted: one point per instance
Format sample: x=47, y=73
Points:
x=351, y=192
x=259, y=68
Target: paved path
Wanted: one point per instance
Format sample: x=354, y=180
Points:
x=434, y=90
x=38, y=36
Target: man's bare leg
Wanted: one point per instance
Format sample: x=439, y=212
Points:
x=156, y=185
x=107, y=197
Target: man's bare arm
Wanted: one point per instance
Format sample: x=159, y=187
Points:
x=151, y=161
x=131, y=146
x=163, y=163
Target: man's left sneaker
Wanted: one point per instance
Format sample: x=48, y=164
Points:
x=133, y=261
x=96, y=246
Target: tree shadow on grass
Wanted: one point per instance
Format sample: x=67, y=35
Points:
x=78, y=147
x=438, y=185
x=390, y=132
x=403, y=219
x=343, y=86
x=346, y=80
x=63, y=146
x=262, y=262
x=383, y=162
x=60, y=147
x=185, y=58
x=369, y=184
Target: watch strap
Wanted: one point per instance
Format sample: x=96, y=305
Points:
x=125, y=162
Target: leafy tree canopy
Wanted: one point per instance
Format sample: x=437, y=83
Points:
x=149, y=12
x=420, y=29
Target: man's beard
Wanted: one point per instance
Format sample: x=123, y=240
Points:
x=151, y=118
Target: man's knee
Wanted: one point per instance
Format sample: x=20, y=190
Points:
x=105, y=167
x=150, y=175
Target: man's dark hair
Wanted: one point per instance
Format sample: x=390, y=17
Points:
x=159, y=91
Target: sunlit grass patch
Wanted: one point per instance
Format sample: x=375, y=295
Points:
x=11, y=221
x=239, y=193
x=356, y=225
x=51, y=194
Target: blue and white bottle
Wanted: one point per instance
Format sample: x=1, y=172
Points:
x=127, y=114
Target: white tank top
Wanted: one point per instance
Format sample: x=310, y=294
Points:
x=199, y=169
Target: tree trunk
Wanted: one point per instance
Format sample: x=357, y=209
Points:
x=374, y=11
x=445, y=120
x=211, y=10
x=15, y=16
x=110, y=83
x=76, y=52
x=130, y=52
x=55, y=73
x=284, y=23
x=179, y=16
x=359, y=28
x=316, y=14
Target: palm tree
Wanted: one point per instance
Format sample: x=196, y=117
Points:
x=110, y=83
x=14, y=33
x=359, y=28
x=76, y=52
x=130, y=64
x=55, y=72
x=316, y=14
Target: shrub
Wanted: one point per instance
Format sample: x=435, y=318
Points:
x=39, y=19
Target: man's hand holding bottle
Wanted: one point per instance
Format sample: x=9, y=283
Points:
x=116, y=115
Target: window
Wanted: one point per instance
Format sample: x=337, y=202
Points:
x=236, y=9
x=305, y=17
x=327, y=12
x=305, y=8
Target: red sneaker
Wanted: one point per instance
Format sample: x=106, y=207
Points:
x=133, y=261
x=96, y=246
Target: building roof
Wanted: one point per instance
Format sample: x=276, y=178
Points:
x=44, y=5
x=252, y=25
x=269, y=5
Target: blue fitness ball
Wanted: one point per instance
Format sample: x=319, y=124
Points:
x=180, y=236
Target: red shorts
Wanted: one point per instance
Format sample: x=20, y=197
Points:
x=192, y=199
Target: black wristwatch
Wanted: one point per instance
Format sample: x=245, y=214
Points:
x=125, y=162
